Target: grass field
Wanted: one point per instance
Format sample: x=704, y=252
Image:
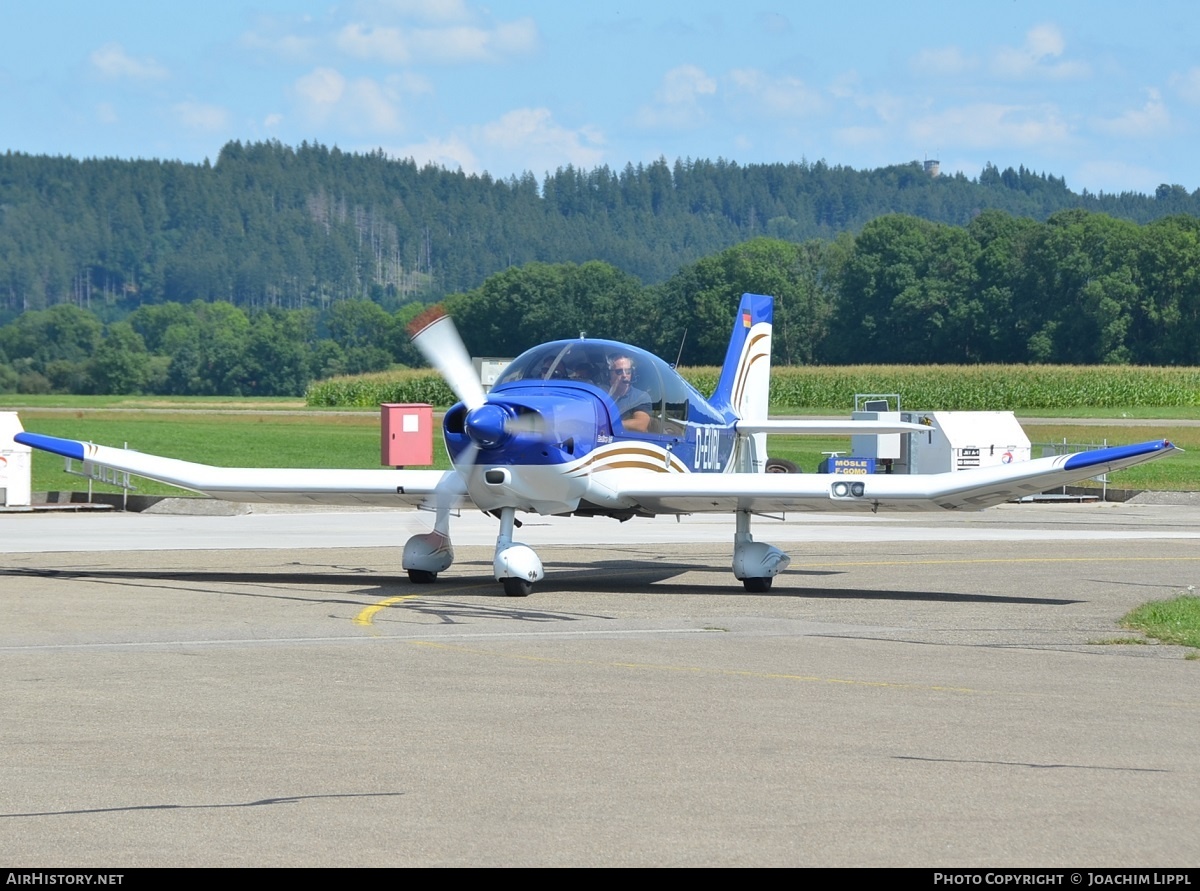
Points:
x=281, y=433
x=1175, y=621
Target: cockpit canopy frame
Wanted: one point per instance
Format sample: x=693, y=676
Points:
x=588, y=362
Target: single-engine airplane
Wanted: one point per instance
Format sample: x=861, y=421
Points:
x=598, y=428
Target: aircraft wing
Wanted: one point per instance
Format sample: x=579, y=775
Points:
x=960, y=490
x=257, y=484
x=819, y=427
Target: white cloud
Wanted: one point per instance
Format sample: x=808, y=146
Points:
x=450, y=153
x=201, y=116
x=112, y=61
x=467, y=43
x=1152, y=119
x=885, y=106
x=1038, y=57
x=362, y=105
x=990, y=125
x=320, y=90
x=1045, y=40
x=679, y=99
x=373, y=106
x=106, y=113
x=389, y=45
x=532, y=134
x=422, y=10
x=846, y=84
x=523, y=139
x=452, y=44
x=272, y=121
x=685, y=84
x=775, y=96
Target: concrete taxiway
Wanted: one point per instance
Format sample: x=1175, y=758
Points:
x=268, y=689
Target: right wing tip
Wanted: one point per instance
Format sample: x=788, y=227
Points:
x=68, y=448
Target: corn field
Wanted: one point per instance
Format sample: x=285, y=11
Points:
x=947, y=387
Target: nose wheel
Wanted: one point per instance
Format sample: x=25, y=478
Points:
x=516, y=565
x=517, y=587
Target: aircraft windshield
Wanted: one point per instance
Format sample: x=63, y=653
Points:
x=592, y=362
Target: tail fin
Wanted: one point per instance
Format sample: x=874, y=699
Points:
x=746, y=375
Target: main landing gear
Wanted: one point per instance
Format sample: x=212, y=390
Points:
x=754, y=562
x=517, y=567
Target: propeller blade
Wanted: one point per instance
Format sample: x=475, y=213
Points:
x=465, y=463
x=451, y=492
x=529, y=424
x=440, y=344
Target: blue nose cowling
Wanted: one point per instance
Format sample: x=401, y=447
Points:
x=486, y=426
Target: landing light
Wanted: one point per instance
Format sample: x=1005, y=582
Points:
x=842, y=489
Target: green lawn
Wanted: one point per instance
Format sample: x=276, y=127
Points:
x=269, y=433
x=240, y=439
x=1175, y=621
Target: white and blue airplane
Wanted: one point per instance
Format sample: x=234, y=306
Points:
x=598, y=428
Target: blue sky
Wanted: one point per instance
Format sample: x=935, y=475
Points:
x=1105, y=96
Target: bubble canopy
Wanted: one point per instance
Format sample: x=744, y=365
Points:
x=588, y=362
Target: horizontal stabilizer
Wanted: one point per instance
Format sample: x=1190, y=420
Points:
x=818, y=427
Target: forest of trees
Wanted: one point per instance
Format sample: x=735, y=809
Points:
x=276, y=266
x=1080, y=288
x=301, y=228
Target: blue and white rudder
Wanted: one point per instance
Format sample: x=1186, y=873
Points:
x=745, y=382
x=743, y=387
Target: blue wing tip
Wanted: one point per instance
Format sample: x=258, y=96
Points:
x=68, y=448
x=1116, y=453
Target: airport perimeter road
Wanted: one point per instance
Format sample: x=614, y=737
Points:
x=269, y=690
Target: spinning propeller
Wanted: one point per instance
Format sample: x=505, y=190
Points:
x=440, y=344
x=488, y=424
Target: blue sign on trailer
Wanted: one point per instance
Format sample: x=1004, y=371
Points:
x=847, y=465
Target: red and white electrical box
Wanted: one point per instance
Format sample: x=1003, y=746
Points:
x=406, y=434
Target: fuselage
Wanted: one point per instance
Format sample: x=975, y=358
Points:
x=564, y=413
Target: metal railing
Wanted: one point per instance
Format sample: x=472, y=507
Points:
x=1051, y=449
x=95, y=473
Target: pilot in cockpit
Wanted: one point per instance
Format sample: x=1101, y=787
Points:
x=635, y=405
x=580, y=370
x=550, y=369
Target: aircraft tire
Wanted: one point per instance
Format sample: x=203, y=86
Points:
x=760, y=585
x=781, y=465
x=517, y=587
x=421, y=576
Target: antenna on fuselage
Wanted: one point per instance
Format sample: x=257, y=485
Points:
x=682, y=341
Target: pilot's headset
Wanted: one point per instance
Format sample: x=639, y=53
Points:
x=612, y=360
